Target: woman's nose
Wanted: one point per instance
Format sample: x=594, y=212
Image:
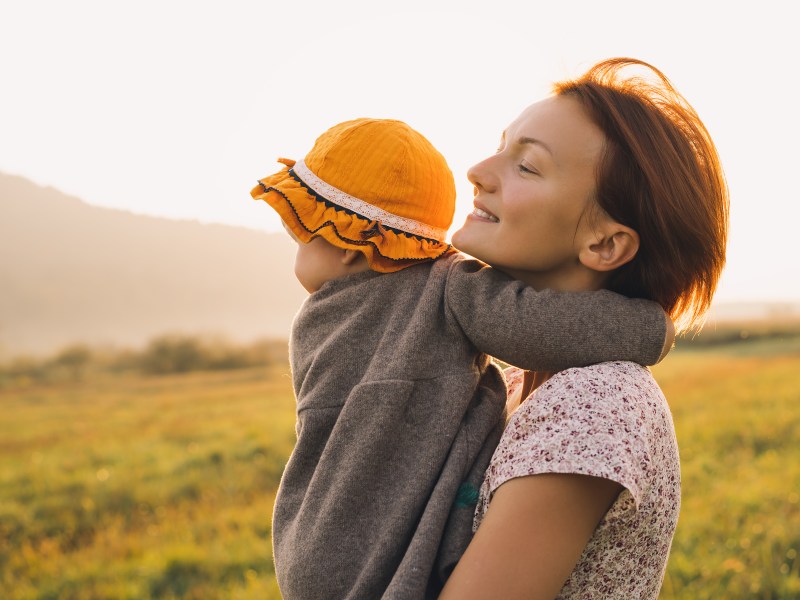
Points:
x=482, y=177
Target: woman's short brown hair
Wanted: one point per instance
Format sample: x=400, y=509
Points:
x=660, y=174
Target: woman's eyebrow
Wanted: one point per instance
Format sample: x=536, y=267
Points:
x=529, y=140
x=525, y=140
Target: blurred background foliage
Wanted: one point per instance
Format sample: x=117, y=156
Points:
x=170, y=353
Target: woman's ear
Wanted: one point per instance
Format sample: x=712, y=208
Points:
x=609, y=246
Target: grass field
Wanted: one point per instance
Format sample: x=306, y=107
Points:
x=161, y=487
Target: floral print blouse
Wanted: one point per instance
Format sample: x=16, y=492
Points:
x=608, y=420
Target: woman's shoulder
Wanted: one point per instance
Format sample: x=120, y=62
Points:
x=604, y=383
x=618, y=397
x=582, y=398
x=614, y=393
x=612, y=370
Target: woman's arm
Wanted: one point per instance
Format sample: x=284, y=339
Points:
x=531, y=537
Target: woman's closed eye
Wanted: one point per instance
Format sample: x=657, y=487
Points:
x=527, y=169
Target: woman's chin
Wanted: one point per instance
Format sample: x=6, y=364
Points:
x=461, y=241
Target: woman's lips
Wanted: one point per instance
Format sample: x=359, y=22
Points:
x=481, y=212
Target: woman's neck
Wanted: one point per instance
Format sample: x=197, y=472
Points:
x=577, y=279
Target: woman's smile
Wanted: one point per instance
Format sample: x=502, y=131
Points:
x=484, y=215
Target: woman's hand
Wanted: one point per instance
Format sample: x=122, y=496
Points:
x=531, y=537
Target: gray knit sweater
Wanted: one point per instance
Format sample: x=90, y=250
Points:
x=399, y=410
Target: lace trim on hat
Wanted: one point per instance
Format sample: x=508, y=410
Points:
x=445, y=247
x=337, y=207
x=363, y=208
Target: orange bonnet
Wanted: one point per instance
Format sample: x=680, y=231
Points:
x=372, y=185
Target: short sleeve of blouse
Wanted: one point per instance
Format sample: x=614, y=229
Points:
x=586, y=421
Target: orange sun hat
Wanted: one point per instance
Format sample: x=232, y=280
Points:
x=372, y=185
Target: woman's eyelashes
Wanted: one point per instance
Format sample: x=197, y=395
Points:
x=527, y=169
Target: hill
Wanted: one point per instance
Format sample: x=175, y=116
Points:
x=73, y=272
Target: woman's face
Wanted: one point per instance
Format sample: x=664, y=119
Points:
x=530, y=196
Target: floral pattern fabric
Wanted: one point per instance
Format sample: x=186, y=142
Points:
x=608, y=420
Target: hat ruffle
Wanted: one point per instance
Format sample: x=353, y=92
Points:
x=308, y=214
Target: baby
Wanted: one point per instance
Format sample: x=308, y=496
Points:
x=399, y=406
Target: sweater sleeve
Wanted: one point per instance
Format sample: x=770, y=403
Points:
x=549, y=330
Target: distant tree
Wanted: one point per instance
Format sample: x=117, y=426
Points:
x=74, y=360
x=173, y=354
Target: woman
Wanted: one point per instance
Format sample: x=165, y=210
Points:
x=613, y=183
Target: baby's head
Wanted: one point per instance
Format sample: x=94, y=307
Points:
x=371, y=194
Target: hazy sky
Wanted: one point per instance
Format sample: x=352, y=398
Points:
x=177, y=108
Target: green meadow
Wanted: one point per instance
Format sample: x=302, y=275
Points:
x=131, y=484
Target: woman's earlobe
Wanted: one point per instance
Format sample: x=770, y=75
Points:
x=613, y=248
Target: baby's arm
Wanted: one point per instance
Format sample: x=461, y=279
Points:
x=548, y=330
